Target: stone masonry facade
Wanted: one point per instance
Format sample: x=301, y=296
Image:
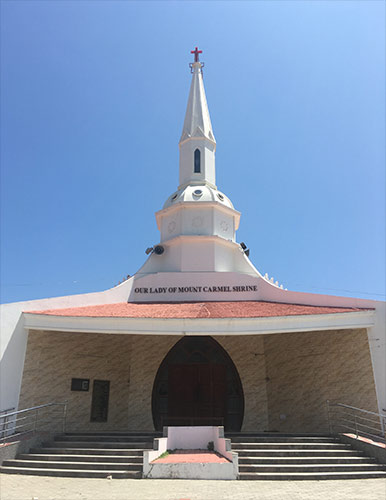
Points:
x=306, y=370
x=286, y=378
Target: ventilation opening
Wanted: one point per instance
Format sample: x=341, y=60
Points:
x=197, y=161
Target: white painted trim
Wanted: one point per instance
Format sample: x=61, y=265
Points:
x=201, y=204
x=201, y=326
x=196, y=183
x=186, y=238
x=197, y=138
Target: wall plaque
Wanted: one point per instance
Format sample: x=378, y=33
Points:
x=80, y=384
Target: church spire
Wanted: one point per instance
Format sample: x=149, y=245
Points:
x=197, y=143
x=197, y=120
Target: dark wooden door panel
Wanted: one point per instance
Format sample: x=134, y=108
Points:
x=196, y=391
x=182, y=390
x=197, y=384
x=219, y=390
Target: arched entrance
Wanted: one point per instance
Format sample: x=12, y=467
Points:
x=197, y=384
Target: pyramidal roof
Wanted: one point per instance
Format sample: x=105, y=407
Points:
x=197, y=120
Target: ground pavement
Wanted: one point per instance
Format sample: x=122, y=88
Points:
x=18, y=487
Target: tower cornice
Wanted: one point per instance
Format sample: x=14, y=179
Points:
x=185, y=139
x=188, y=205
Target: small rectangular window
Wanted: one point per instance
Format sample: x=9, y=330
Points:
x=100, y=400
x=197, y=161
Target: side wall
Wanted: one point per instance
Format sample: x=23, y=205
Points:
x=286, y=378
x=52, y=359
x=130, y=363
x=148, y=353
x=247, y=354
x=14, y=337
x=305, y=370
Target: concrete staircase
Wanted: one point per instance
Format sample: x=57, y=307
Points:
x=284, y=456
x=261, y=456
x=119, y=455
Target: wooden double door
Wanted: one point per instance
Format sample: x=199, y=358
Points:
x=197, y=384
x=197, y=394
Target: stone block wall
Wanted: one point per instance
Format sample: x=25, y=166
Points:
x=129, y=362
x=54, y=358
x=147, y=355
x=305, y=370
x=286, y=378
x=247, y=353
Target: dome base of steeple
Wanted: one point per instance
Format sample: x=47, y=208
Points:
x=198, y=192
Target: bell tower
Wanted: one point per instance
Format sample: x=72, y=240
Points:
x=198, y=223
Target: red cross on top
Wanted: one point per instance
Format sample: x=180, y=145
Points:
x=196, y=52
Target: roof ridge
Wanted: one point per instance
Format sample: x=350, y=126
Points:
x=204, y=309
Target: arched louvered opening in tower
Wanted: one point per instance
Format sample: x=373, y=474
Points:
x=197, y=161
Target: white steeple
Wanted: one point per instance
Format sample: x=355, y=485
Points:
x=197, y=223
x=197, y=143
x=197, y=120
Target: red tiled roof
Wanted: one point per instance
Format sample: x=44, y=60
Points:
x=179, y=310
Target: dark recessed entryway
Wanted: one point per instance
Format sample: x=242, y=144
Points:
x=197, y=384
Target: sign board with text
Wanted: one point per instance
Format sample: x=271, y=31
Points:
x=178, y=287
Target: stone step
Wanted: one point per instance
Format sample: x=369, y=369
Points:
x=93, y=455
x=262, y=457
x=296, y=453
x=72, y=472
x=283, y=439
x=72, y=465
x=148, y=434
x=310, y=468
x=89, y=451
x=289, y=445
x=104, y=438
x=81, y=458
x=97, y=444
x=279, y=434
x=305, y=460
x=310, y=476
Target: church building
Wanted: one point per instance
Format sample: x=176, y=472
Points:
x=197, y=336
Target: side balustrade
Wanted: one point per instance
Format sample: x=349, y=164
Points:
x=345, y=419
x=22, y=429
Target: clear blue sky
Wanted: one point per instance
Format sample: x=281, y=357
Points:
x=93, y=100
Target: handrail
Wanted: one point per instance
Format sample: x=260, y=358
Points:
x=11, y=423
x=32, y=408
x=7, y=410
x=356, y=420
x=360, y=417
x=358, y=424
x=354, y=408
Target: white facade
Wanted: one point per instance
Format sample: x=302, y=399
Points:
x=199, y=260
